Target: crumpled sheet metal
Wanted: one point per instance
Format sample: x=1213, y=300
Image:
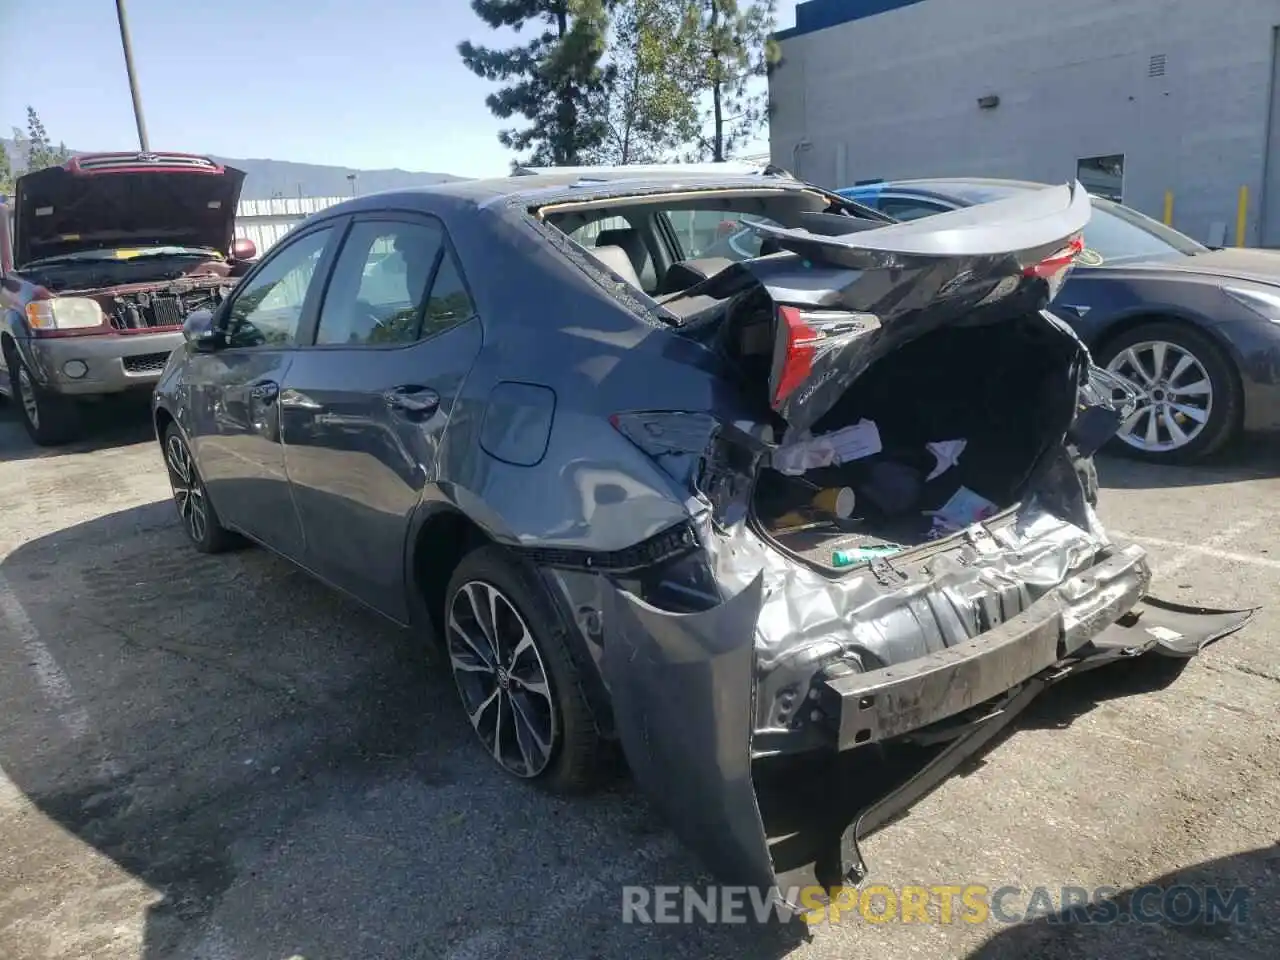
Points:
x=941, y=599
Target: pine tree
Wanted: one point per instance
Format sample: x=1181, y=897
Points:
x=737, y=47
x=40, y=152
x=651, y=104
x=555, y=81
x=6, y=173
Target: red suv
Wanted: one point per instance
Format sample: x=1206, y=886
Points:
x=102, y=259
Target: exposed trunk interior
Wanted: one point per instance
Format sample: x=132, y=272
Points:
x=1003, y=387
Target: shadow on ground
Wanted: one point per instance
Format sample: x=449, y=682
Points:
x=115, y=422
x=1249, y=457
x=286, y=774
x=289, y=775
x=1228, y=908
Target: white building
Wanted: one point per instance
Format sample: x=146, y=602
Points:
x=266, y=221
x=1172, y=104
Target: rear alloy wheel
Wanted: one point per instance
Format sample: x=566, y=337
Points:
x=516, y=678
x=49, y=419
x=199, y=519
x=1189, y=401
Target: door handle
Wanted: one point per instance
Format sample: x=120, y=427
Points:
x=265, y=392
x=413, y=400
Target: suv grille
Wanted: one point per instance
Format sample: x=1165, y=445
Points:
x=146, y=362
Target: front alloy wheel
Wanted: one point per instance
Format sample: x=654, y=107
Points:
x=1188, y=400
x=199, y=520
x=501, y=678
x=188, y=492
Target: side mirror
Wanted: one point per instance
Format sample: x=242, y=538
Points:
x=243, y=249
x=199, y=331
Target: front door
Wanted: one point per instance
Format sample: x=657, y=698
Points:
x=364, y=406
x=236, y=394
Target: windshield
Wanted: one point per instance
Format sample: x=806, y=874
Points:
x=1118, y=234
x=130, y=253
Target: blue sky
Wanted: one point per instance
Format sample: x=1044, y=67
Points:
x=360, y=83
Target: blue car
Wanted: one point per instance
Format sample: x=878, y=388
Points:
x=1195, y=330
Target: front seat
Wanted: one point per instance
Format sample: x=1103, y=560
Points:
x=629, y=240
x=616, y=259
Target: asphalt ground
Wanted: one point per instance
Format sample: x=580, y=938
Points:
x=217, y=758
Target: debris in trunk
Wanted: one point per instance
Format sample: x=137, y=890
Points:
x=847, y=558
x=893, y=487
x=854, y=442
x=947, y=453
x=838, y=501
x=963, y=509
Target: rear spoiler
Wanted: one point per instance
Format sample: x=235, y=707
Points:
x=1025, y=222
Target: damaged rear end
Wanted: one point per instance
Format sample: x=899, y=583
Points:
x=893, y=556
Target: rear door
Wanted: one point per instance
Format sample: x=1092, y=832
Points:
x=850, y=298
x=365, y=404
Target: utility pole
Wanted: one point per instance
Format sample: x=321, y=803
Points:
x=133, y=79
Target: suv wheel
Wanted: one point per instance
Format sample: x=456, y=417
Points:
x=1189, y=398
x=516, y=677
x=199, y=519
x=49, y=419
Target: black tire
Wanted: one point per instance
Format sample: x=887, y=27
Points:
x=190, y=498
x=576, y=760
x=49, y=419
x=1224, y=411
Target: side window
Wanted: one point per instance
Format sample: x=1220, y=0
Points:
x=449, y=302
x=268, y=307
x=379, y=283
x=901, y=208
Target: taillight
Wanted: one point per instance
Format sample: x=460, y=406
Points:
x=1053, y=270
x=704, y=455
x=799, y=347
x=804, y=337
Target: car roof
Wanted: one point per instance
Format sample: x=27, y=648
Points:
x=546, y=187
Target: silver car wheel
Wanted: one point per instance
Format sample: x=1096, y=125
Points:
x=188, y=493
x=1175, y=395
x=501, y=678
x=27, y=394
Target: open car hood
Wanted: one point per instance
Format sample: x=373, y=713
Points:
x=846, y=299
x=61, y=211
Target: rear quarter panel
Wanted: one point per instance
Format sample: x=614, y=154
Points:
x=551, y=324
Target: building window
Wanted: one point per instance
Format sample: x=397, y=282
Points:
x=1103, y=176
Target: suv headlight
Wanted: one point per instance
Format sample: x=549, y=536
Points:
x=1265, y=303
x=64, y=313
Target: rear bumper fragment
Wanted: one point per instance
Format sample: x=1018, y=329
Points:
x=882, y=704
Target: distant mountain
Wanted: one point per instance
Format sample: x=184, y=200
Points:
x=269, y=178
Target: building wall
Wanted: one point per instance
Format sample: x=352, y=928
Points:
x=895, y=95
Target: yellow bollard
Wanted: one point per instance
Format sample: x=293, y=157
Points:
x=1242, y=213
x=1168, y=208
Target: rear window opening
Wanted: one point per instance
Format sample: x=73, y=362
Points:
x=665, y=244
x=990, y=400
